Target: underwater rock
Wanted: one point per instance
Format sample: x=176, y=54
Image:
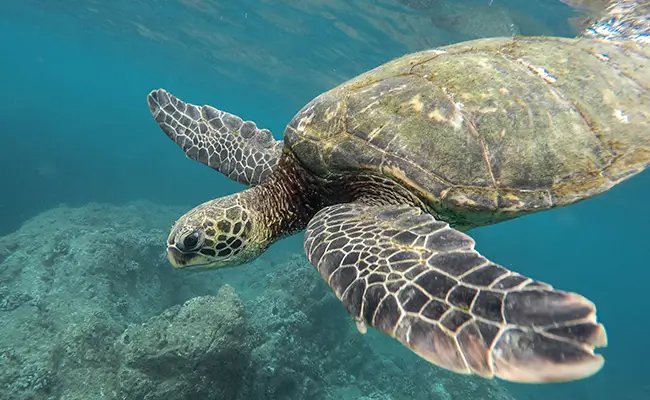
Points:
x=68, y=288
x=91, y=309
x=195, y=350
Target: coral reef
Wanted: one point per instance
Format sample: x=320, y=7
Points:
x=197, y=350
x=70, y=283
x=90, y=309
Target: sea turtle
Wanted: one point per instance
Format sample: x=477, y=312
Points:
x=386, y=172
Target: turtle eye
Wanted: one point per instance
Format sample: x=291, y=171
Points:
x=191, y=241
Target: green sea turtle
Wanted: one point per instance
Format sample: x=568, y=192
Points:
x=386, y=172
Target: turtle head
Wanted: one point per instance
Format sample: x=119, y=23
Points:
x=217, y=234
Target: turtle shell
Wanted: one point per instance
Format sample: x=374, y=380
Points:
x=490, y=129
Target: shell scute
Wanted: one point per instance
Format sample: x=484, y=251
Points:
x=490, y=129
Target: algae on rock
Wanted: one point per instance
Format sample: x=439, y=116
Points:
x=91, y=309
x=199, y=349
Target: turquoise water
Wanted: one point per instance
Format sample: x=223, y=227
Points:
x=76, y=129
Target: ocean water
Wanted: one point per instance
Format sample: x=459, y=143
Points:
x=76, y=129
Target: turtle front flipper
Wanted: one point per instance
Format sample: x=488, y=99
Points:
x=421, y=281
x=220, y=140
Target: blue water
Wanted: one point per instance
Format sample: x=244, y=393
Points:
x=75, y=128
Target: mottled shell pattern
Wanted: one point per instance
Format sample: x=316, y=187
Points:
x=488, y=130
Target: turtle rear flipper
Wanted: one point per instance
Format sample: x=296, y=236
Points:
x=422, y=282
x=220, y=140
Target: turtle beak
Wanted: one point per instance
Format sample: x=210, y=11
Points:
x=188, y=261
x=176, y=257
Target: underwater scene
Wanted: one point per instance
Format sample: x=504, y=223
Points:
x=324, y=199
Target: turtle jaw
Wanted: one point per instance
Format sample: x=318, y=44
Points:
x=195, y=261
x=190, y=261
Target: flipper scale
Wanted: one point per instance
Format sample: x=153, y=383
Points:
x=423, y=283
x=220, y=140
